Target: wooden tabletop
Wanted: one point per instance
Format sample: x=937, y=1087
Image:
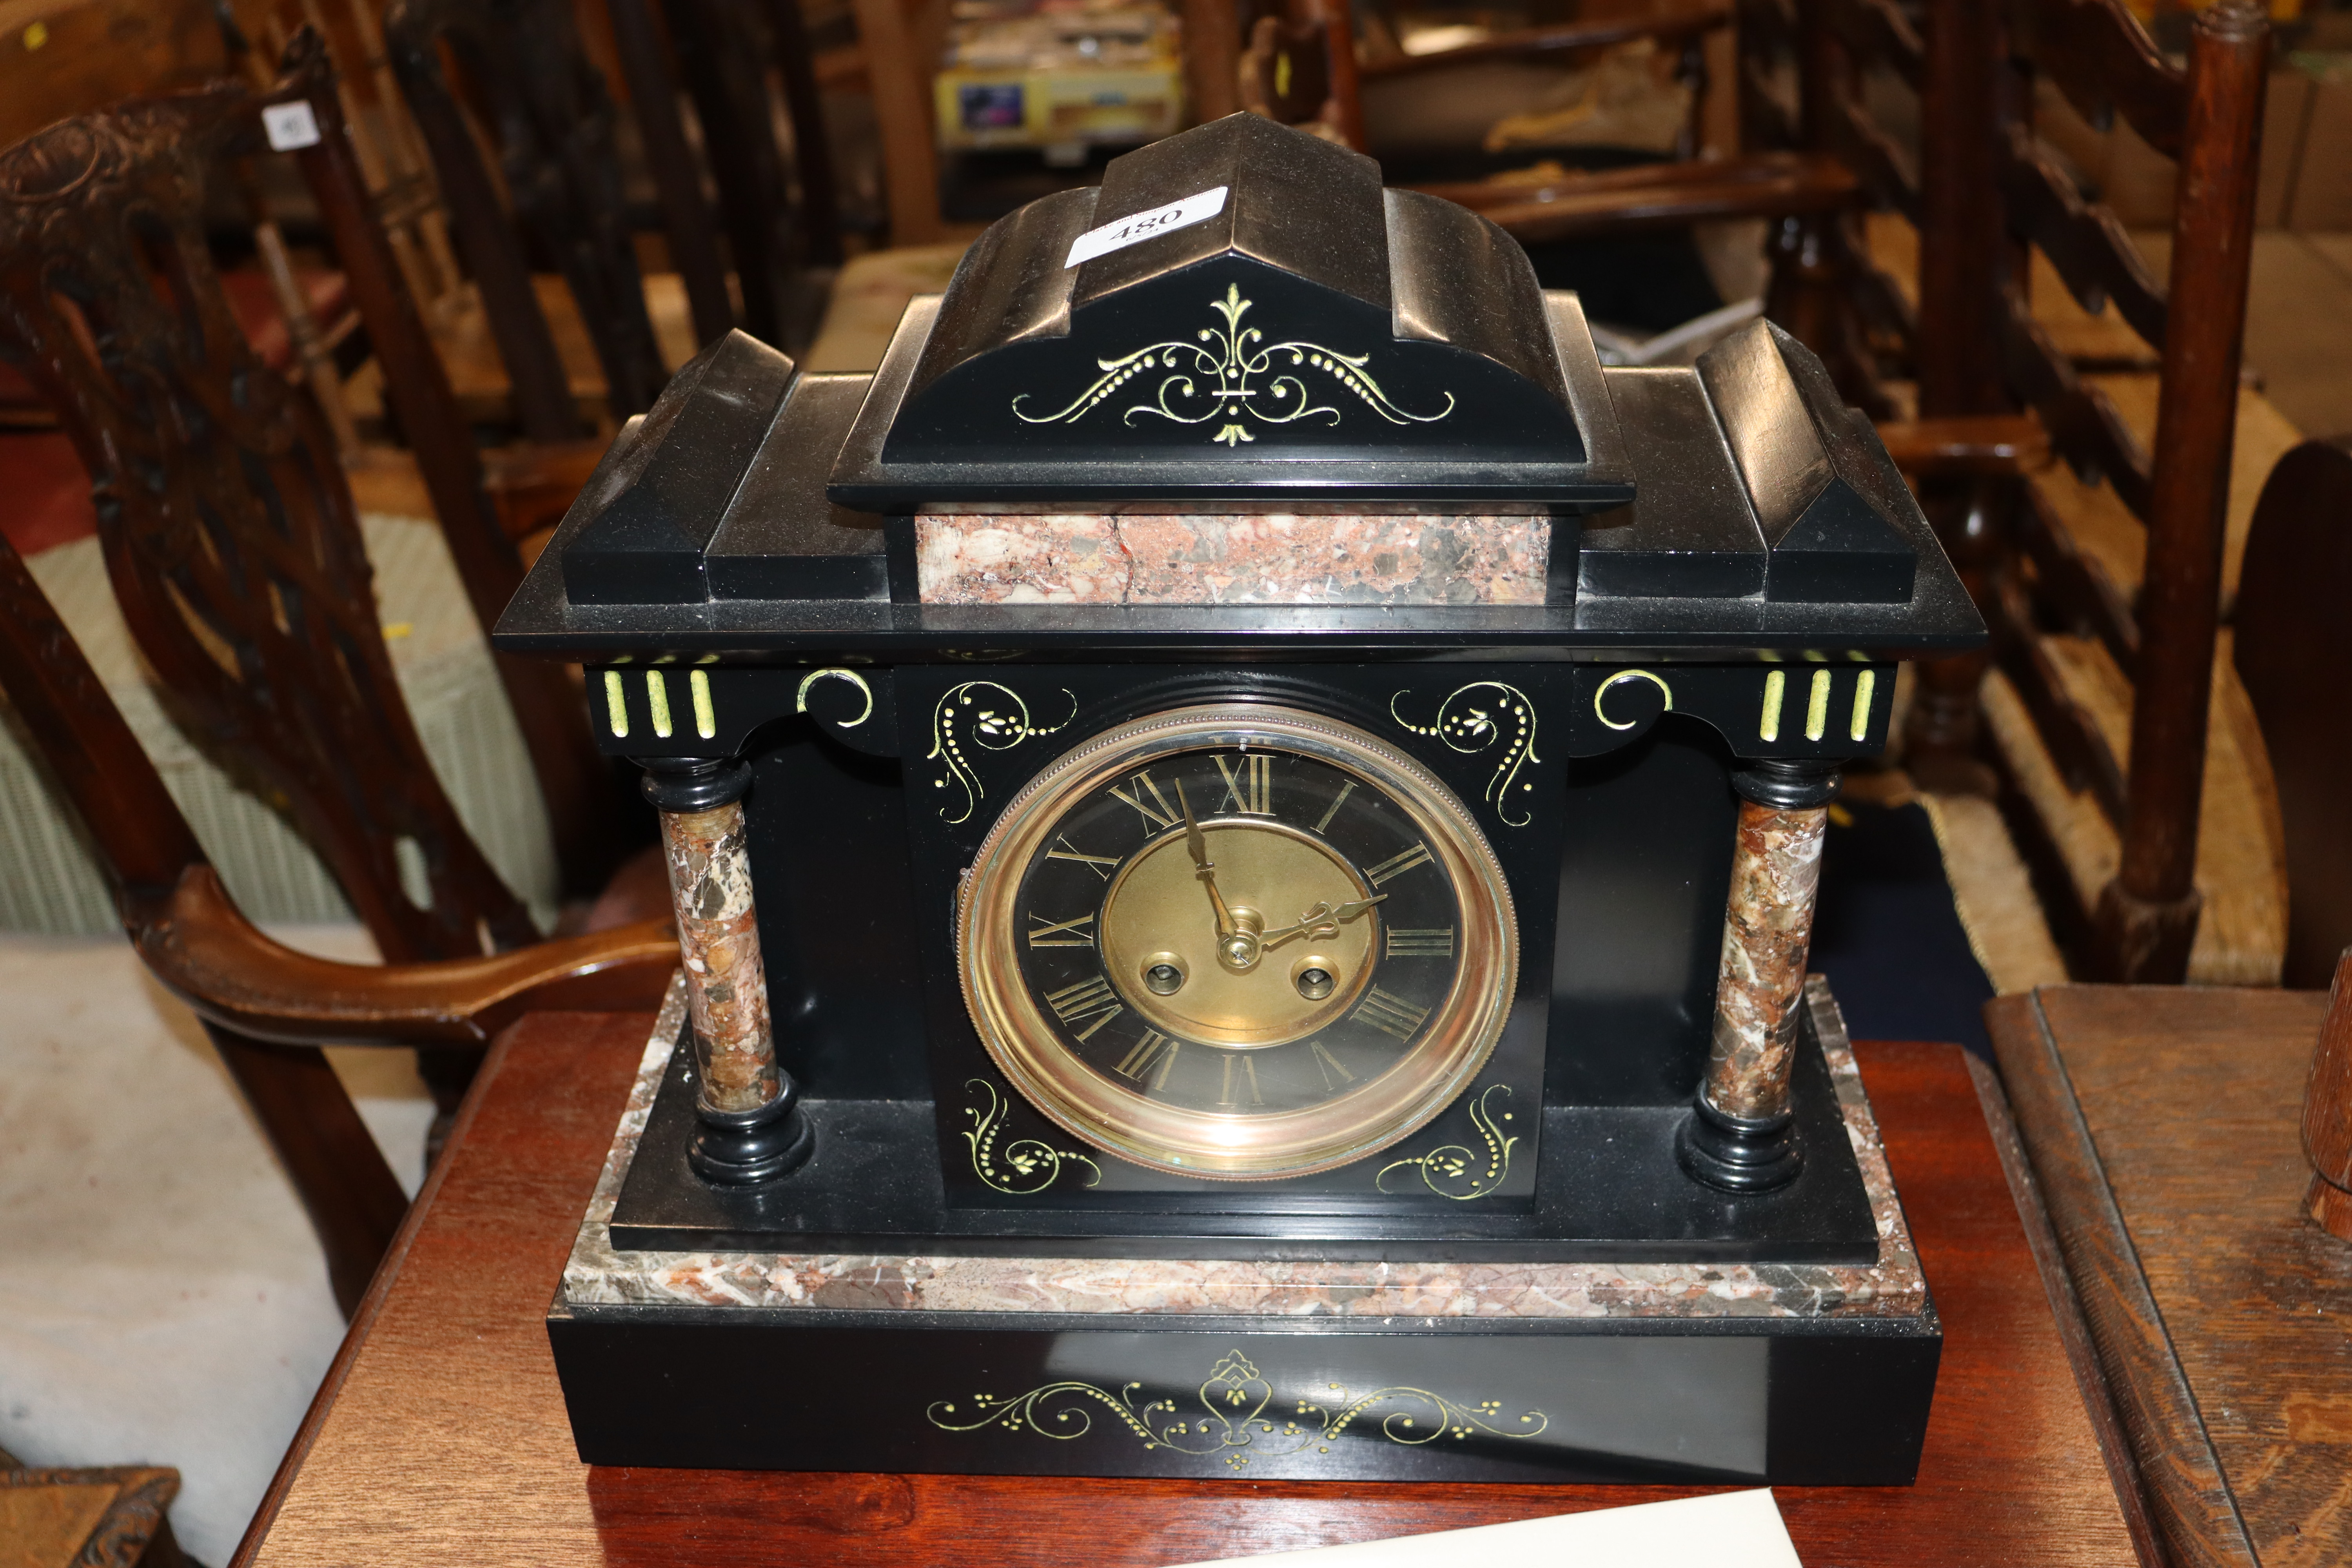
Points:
x=2163, y=1126
x=439, y=1435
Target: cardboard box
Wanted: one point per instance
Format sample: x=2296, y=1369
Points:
x=1054, y=108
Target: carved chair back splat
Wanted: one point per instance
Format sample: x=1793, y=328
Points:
x=228, y=527
x=548, y=117
x=776, y=202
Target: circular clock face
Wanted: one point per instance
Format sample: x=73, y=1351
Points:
x=1238, y=941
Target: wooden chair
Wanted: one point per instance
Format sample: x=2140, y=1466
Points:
x=550, y=122
x=1981, y=351
x=576, y=785
x=266, y=1007
x=784, y=249
x=227, y=530
x=2292, y=648
x=70, y=57
x=1311, y=55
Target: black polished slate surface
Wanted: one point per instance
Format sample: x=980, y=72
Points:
x=1315, y=336
x=1783, y=1402
x=1607, y=1188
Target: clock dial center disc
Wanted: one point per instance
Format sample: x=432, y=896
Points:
x=1157, y=909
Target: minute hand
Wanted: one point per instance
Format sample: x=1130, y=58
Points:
x=1322, y=920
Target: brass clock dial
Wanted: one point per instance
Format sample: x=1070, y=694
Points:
x=1238, y=941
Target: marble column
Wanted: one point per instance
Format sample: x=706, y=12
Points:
x=1741, y=1135
x=751, y=1129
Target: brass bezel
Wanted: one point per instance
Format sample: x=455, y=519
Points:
x=1020, y=1036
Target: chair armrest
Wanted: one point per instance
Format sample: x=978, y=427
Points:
x=1525, y=41
x=1660, y=196
x=1981, y=444
x=209, y=955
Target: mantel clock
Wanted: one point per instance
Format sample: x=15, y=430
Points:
x=1243, y=817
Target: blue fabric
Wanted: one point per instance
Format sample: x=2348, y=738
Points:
x=1888, y=935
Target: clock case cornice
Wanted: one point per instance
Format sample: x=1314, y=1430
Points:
x=764, y=512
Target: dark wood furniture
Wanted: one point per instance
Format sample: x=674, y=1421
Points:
x=265, y=1007
x=572, y=782
x=1307, y=50
x=528, y=88
x=2292, y=648
x=1982, y=203
x=104, y=1518
x=2327, y=1113
x=551, y=121
x=236, y=555
x=439, y=1434
x=776, y=199
x=2163, y=1126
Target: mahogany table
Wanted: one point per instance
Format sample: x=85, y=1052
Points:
x=2164, y=1127
x=439, y=1435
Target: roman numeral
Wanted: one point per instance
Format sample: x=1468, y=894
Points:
x=1063, y=849
x=1334, y=1075
x=1405, y=942
x=1239, y=1070
x=1398, y=865
x=1087, y=999
x=1339, y=801
x=1250, y=789
x=1390, y=1014
x=1154, y=1050
x=1061, y=933
x=1157, y=814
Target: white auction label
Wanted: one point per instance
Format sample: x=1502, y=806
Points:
x=1133, y=231
x=289, y=125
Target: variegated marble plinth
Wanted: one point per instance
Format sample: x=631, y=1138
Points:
x=1275, y=558
x=1136, y=1289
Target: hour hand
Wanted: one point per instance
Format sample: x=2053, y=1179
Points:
x=1197, y=843
x=1323, y=921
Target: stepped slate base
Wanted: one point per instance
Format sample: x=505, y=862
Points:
x=1789, y=1373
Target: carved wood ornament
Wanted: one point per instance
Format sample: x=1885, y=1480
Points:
x=227, y=528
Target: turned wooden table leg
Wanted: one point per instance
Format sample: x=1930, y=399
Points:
x=1741, y=1134
x=752, y=1130
x=2327, y=1112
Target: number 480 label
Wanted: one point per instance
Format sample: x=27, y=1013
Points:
x=1134, y=230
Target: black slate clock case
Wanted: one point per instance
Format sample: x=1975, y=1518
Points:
x=1615, y=842
x=1734, y=565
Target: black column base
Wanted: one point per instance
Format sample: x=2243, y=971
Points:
x=1739, y=1154
x=744, y=1148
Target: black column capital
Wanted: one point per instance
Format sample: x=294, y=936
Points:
x=694, y=783
x=1787, y=783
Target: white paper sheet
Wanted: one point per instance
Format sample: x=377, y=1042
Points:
x=1727, y=1530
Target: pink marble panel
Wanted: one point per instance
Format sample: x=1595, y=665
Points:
x=1271, y=558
